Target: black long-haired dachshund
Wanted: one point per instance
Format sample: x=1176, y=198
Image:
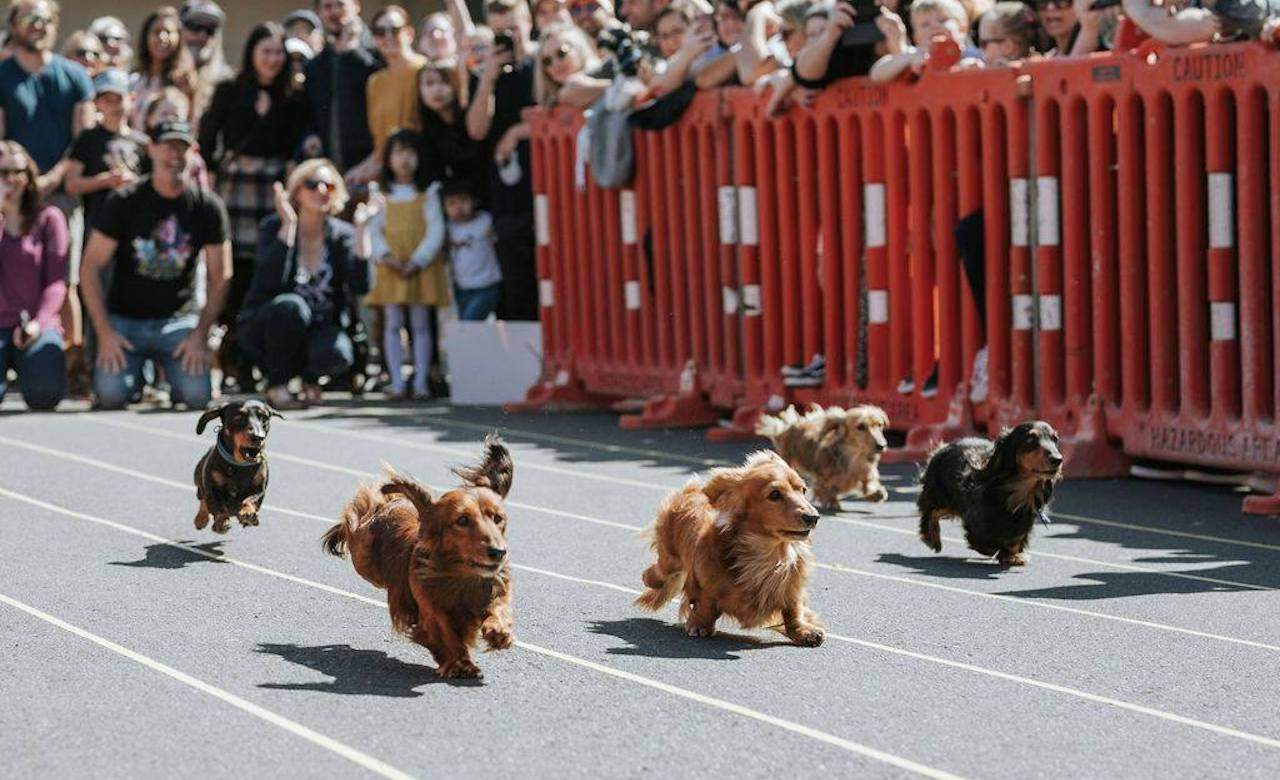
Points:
x=997, y=489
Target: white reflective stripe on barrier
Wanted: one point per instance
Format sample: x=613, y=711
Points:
x=1051, y=312
x=877, y=306
x=873, y=214
x=1019, y=228
x=730, y=297
x=631, y=291
x=1047, y=225
x=1222, y=211
x=542, y=219
x=748, y=234
x=1222, y=320
x=727, y=197
x=546, y=293
x=1024, y=312
x=627, y=213
x=751, y=300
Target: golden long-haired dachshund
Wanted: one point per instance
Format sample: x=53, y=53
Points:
x=443, y=561
x=737, y=545
x=837, y=449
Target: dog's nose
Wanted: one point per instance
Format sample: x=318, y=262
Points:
x=496, y=553
x=881, y=446
x=811, y=520
x=1055, y=460
x=257, y=438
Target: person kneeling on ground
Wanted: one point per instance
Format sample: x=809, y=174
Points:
x=33, y=282
x=310, y=266
x=153, y=231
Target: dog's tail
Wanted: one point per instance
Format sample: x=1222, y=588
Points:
x=660, y=588
x=773, y=426
x=366, y=500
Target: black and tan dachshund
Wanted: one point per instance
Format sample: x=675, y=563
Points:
x=231, y=478
x=997, y=489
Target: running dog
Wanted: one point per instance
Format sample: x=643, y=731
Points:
x=737, y=545
x=442, y=561
x=231, y=478
x=837, y=449
x=997, y=489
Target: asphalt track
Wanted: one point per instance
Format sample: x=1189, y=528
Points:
x=1141, y=641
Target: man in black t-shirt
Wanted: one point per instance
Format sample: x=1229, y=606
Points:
x=154, y=231
x=500, y=94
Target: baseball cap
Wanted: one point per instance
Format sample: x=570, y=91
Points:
x=303, y=15
x=295, y=46
x=109, y=27
x=113, y=80
x=172, y=131
x=202, y=11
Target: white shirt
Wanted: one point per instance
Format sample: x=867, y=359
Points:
x=432, y=242
x=473, y=253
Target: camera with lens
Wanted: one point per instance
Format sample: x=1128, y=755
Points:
x=628, y=51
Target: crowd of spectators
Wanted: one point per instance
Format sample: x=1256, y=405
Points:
x=158, y=204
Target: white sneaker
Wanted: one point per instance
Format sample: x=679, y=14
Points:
x=978, y=380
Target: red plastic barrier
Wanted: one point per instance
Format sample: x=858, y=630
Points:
x=1131, y=229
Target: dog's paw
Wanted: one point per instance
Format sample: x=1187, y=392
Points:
x=878, y=495
x=830, y=507
x=807, y=636
x=201, y=521
x=1013, y=559
x=699, y=630
x=221, y=524
x=462, y=669
x=248, y=520
x=498, y=638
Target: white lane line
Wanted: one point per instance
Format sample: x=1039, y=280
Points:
x=711, y=462
x=1024, y=602
x=328, y=743
x=1061, y=557
x=727, y=706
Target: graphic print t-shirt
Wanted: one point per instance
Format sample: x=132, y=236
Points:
x=158, y=243
x=101, y=150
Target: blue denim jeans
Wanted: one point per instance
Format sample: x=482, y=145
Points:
x=41, y=367
x=155, y=341
x=479, y=303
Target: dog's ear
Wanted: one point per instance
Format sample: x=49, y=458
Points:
x=210, y=415
x=271, y=411
x=495, y=469
x=724, y=490
x=397, y=484
x=833, y=432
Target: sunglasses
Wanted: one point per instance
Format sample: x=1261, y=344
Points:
x=314, y=185
x=985, y=42
x=559, y=54
x=12, y=173
x=201, y=29
x=86, y=54
x=583, y=10
x=1041, y=5
x=382, y=30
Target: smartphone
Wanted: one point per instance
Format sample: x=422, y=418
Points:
x=864, y=31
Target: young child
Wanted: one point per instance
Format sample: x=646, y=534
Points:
x=928, y=19
x=110, y=155
x=477, y=278
x=408, y=233
x=1006, y=33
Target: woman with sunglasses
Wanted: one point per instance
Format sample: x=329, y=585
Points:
x=163, y=62
x=567, y=69
x=393, y=92
x=309, y=270
x=84, y=49
x=1070, y=26
x=33, y=283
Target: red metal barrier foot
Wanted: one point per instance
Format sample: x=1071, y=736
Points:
x=1262, y=505
x=568, y=396
x=921, y=439
x=685, y=410
x=1088, y=453
x=741, y=427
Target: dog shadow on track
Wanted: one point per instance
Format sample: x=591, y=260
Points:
x=356, y=672
x=947, y=567
x=652, y=638
x=166, y=556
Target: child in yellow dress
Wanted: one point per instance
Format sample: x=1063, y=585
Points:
x=408, y=234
